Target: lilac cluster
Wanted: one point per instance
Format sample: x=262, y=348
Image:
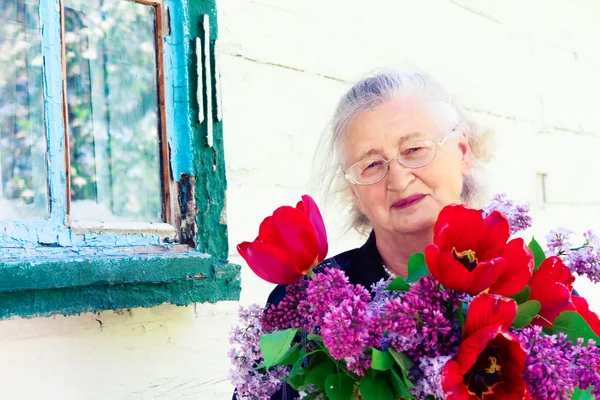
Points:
x=340, y=309
x=429, y=381
x=516, y=213
x=554, y=367
x=558, y=241
x=381, y=296
x=584, y=260
x=586, y=366
x=418, y=323
x=328, y=290
x=245, y=355
x=290, y=312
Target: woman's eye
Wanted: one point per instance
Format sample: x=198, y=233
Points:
x=371, y=165
x=412, y=150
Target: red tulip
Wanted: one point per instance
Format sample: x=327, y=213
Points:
x=471, y=254
x=551, y=285
x=490, y=359
x=289, y=244
x=584, y=310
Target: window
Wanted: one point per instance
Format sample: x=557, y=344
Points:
x=110, y=150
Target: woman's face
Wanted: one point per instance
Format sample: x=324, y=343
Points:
x=406, y=201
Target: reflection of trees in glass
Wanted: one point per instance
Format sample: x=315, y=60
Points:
x=23, y=188
x=113, y=117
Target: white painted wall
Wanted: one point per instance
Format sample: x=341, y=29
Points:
x=529, y=70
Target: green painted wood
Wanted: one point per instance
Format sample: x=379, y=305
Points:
x=223, y=285
x=76, y=271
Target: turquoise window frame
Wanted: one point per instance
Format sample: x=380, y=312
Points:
x=46, y=267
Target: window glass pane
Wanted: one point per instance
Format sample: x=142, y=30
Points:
x=23, y=186
x=113, y=116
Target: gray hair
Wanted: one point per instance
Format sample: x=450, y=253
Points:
x=373, y=91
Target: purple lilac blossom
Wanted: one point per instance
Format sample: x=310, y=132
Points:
x=291, y=311
x=345, y=328
x=380, y=295
x=558, y=241
x=329, y=289
x=340, y=309
x=591, y=239
x=418, y=323
x=585, y=261
x=516, y=213
x=554, y=367
x=586, y=366
x=245, y=355
x=429, y=382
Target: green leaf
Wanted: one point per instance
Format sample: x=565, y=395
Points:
x=462, y=314
x=574, y=326
x=312, y=336
x=538, y=253
x=417, y=268
x=339, y=387
x=401, y=359
x=579, y=394
x=291, y=356
x=317, y=374
x=398, y=384
x=526, y=312
x=375, y=387
x=274, y=346
x=297, y=375
x=522, y=296
x=382, y=360
x=398, y=284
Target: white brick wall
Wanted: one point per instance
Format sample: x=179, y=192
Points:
x=529, y=70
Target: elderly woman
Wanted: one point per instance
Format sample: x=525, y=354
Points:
x=405, y=151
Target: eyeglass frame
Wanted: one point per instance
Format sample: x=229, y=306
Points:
x=439, y=144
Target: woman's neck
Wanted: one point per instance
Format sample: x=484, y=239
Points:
x=395, y=249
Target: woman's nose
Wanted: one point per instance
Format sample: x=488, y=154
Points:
x=399, y=176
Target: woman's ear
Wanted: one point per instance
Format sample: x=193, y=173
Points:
x=353, y=190
x=466, y=162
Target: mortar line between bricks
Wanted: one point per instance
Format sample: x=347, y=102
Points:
x=333, y=78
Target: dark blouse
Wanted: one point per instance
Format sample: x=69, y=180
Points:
x=362, y=266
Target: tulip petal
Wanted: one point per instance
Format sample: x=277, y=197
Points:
x=290, y=229
x=454, y=275
x=473, y=345
x=453, y=382
x=590, y=317
x=553, y=268
x=493, y=239
x=518, y=269
x=486, y=310
x=551, y=285
x=460, y=227
x=309, y=207
x=554, y=298
x=269, y=262
x=512, y=353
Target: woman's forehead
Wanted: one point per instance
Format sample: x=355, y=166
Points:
x=388, y=125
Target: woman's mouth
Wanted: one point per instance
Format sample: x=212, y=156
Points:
x=408, y=201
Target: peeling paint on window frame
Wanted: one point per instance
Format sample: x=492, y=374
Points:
x=194, y=172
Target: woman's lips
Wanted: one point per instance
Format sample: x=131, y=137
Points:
x=408, y=201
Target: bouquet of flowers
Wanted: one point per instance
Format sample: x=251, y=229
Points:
x=480, y=315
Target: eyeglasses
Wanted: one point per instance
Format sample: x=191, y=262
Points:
x=414, y=154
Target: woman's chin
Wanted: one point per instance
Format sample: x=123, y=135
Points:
x=415, y=224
